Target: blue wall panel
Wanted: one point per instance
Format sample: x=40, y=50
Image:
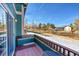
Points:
x=23, y=41
x=11, y=34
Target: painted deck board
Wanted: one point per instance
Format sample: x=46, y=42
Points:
x=29, y=50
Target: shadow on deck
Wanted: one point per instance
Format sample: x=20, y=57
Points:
x=33, y=50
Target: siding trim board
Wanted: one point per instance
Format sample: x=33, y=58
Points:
x=8, y=10
x=3, y=7
x=17, y=12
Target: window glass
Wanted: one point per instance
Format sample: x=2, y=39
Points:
x=3, y=32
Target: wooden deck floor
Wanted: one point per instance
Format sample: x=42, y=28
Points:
x=28, y=50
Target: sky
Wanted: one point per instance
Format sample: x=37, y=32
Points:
x=59, y=14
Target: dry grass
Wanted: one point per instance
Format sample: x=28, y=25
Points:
x=60, y=33
x=66, y=34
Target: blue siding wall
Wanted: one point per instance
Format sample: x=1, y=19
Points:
x=11, y=30
x=21, y=42
x=11, y=35
x=19, y=25
x=14, y=28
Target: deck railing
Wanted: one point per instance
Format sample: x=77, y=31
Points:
x=2, y=38
x=2, y=47
x=59, y=48
x=24, y=36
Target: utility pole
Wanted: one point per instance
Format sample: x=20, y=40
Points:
x=33, y=25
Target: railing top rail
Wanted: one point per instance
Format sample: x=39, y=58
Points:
x=24, y=36
x=3, y=35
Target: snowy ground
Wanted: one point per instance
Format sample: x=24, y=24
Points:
x=65, y=41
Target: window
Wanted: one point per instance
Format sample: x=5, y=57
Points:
x=3, y=32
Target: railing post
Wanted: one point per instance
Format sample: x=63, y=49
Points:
x=63, y=51
x=50, y=44
x=56, y=47
x=60, y=49
x=68, y=53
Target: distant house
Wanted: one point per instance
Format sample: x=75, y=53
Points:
x=59, y=28
x=67, y=29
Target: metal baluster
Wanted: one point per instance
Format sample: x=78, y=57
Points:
x=63, y=51
x=60, y=49
x=68, y=53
